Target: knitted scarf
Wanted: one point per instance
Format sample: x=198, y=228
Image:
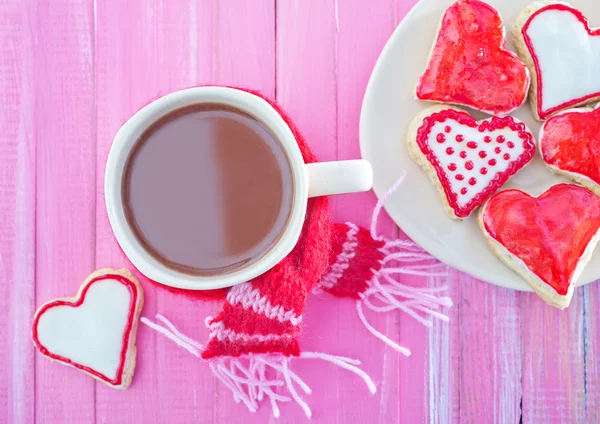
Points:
x=253, y=340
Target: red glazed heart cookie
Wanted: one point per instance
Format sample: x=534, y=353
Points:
x=467, y=160
x=563, y=54
x=546, y=240
x=94, y=331
x=469, y=65
x=570, y=146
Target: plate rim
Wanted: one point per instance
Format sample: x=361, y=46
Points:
x=518, y=284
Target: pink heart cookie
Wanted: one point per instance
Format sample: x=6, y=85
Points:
x=466, y=160
x=95, y=330
x=563, y=54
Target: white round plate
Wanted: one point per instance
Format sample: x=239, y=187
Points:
x=387, y=109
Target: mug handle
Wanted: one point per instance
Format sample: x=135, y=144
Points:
x=346, y=176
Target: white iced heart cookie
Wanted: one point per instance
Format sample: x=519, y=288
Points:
x=95, y=330
x=466, y=160
x=563, y=54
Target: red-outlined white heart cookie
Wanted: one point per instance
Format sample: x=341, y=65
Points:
x=570, y=145
x=469, y=64
x=562, y=52
x=95, y=330
x=466, y=160
x=546, y=240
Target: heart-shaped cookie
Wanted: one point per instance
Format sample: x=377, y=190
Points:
x=563, y=54
x=469, y=65
x=546, y=240
x=570, y=145
x=467, y=160
x=94, y=331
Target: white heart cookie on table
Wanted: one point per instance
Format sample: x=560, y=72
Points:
x=556, y=42
x=95, y=330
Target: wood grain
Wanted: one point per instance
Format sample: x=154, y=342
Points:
x=591, y=352
x=17, y=210
x=127, y=63
x=72, y=72
x=306, y=89
x=360, y=27
x=444, y=365
x=65, y=203
x=489, y=343
x=553, y=361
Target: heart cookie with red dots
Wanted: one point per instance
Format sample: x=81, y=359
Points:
x=469, y=64
x=466, y=160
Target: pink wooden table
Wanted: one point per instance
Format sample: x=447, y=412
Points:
x=72, y=71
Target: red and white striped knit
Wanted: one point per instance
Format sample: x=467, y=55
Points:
x=263, y=315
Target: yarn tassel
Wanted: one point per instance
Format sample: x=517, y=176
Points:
x=367, y=267
x=254, y=378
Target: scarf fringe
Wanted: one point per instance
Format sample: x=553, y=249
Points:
x=254, y=378
x=173, y=334
x=385, y=292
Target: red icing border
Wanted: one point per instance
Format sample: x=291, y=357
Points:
x=130, y=318
x=491, y=124
x=592, y=32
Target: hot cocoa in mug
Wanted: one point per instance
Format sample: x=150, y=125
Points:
x=206, y=187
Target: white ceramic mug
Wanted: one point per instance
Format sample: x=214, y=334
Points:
x=310, y=180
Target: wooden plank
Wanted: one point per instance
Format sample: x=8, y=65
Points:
x=474, y=367
x=591, y=351
x=306, y=70
x=443, y=367
x=144, y=50
x=123, y=84
x=17, y=210
x=363, y=28
x=489, y=346
x=403, y=7
x=244, y=49
x=66, y=181
x=474, y=363
x=553, y=361
x=244, y=56
x=306, y=88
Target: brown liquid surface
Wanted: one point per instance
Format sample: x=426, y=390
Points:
x=207, y=189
